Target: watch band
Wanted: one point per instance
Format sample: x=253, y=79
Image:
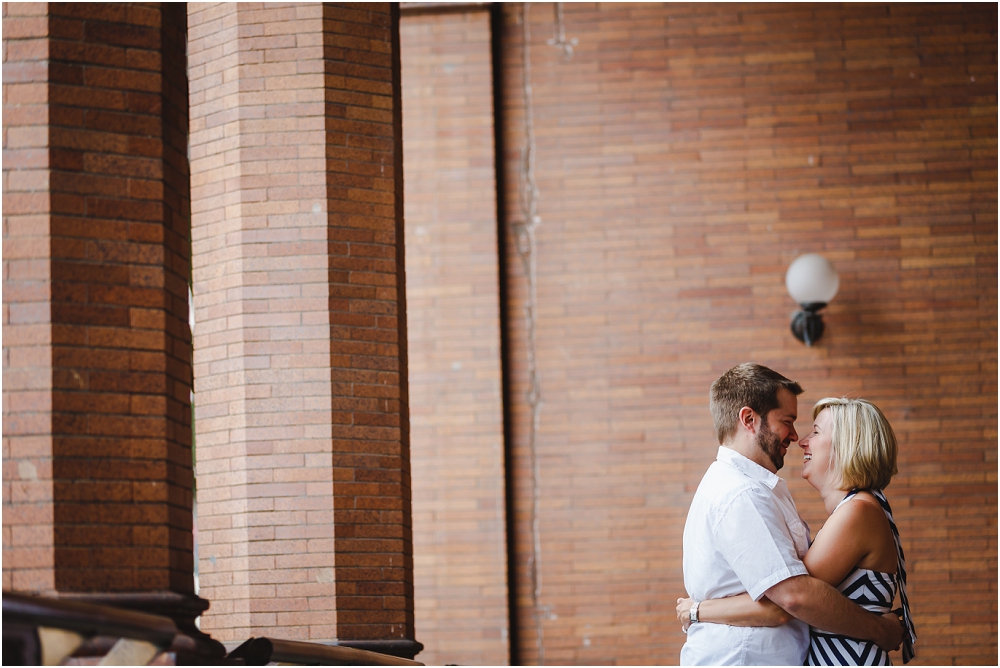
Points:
x=693, y=612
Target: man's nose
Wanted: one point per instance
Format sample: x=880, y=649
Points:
x=793, y=435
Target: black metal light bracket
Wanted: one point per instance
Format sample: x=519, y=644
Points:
x=807, y=324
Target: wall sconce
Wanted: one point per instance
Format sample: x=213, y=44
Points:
x=812, y=282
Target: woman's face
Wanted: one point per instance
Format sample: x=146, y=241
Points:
x=817, y=452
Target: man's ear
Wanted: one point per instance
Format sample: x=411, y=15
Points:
x=747, y=416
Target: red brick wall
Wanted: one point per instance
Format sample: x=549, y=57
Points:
x=303, y=463
x=114, y=260
x=685, y=155
x=460, y=559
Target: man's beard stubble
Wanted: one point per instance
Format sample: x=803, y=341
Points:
x=770, y=445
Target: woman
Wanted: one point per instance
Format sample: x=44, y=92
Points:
x=849, y=457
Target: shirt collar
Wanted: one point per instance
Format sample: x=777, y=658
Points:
x=746, y=466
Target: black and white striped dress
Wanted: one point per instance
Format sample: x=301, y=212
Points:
x=874, y=592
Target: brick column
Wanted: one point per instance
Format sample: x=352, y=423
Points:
x=303, y=461
x=96, y=227
x=28, y=541
x=453, y=299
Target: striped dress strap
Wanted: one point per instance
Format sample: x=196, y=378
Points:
x=909, y=634
x=850, y=495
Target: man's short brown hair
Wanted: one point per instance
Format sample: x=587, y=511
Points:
x=750, y=385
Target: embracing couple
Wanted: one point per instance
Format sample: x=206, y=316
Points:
x=761, y=593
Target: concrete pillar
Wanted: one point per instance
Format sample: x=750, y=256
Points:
x=300, y=358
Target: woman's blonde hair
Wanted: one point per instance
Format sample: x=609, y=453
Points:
x=863, y=443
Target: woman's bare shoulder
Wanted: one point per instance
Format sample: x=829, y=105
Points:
x=863, y=517
x=856, y=535
x=866, y=501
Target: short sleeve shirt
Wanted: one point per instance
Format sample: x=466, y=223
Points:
x=743, y=534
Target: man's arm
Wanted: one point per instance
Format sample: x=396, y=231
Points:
x=818, y=604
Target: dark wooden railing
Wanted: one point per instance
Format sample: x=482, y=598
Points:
x=262, y=651
x=47, y=631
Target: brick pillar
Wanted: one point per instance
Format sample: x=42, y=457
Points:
x=300, y=368
x=96, y=265
x=28, y=541
x=453, y=300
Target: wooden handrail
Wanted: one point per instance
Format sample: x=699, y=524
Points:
x=88, y=619
x=24, y=614
x=44, y=631
x=261, y=651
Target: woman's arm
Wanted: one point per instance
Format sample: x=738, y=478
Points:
x=735, y=611
x=856, y=534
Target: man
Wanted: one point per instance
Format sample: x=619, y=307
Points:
x=744, y=534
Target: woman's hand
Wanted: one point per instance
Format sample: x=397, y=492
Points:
x=684, y=612
x=684, y=608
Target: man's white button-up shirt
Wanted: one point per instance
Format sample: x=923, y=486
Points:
x=743, y=534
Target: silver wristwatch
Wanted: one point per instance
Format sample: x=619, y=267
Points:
x=693, y=613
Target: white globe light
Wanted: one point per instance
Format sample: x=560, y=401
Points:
x=812, y=279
